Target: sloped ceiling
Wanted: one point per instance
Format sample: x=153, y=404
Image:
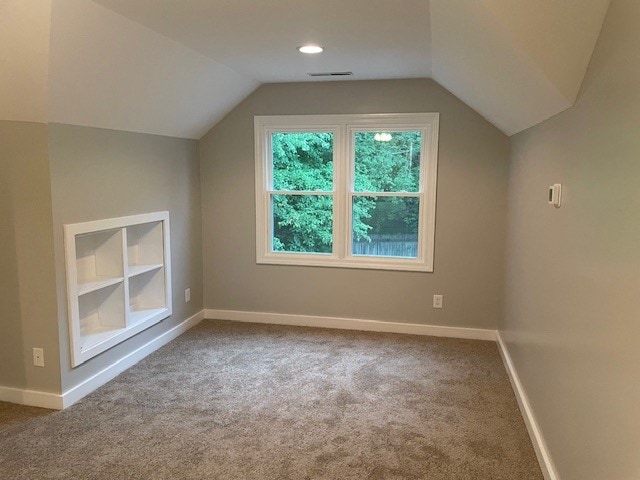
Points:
x=515, y=62
x=111, y=72
x=177, y=67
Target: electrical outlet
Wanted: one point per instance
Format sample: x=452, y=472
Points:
x=38, y=357
x=187, y=295
x=437, y=301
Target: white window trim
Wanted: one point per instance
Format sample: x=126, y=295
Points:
x=342, y=126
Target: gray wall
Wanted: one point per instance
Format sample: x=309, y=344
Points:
x=97, y=173
x=27, y=288
x=573, y=278
x=470, y=219
x=11, y=362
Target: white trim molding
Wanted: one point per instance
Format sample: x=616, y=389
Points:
x=351, y=324
x=58, y=402
x=118, y=253
x=31, y=398
x=71, y=396
x=343, y=128
x=539, y=445
x=83, y=389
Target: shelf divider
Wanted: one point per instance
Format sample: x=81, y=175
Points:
x=140, y=269
x=97, y=284
x=139, y=316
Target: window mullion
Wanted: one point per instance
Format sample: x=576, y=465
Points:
x=339, y=217
x=300, y=192
x=386, y=194
x=349, y=188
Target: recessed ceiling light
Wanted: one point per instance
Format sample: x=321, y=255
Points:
x=310, y=49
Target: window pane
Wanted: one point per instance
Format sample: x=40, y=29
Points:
x=302, y=161
x=387, y=161
x=302, y=223
x=385, y=226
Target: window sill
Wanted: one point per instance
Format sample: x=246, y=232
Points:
x=368, y=263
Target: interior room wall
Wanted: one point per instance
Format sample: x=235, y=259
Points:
x=571, y=317
x=470, y=218
x=27, y=291
x=11, y=364
x=97, y=174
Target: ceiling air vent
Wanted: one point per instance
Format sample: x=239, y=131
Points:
x=331, y=74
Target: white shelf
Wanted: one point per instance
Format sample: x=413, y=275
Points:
x=101, y=314
x=139, y=316
x=145, y=244
x=118, y=280
x=140, y=269
x=94, y=337
x=99, y=255
x=94, y=284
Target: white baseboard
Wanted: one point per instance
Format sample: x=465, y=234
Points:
x=58, y=402
x=83, y=389
x=539, y=445
x=351, y=324
x=31, y=398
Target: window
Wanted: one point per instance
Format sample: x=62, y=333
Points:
x=353, y=191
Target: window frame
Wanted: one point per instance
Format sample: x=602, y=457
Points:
x=343, y=128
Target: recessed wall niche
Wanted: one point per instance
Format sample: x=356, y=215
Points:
x=118, y=280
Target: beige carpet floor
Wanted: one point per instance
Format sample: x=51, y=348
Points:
x=245, y=401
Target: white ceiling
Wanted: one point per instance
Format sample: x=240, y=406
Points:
x=177, y=67
x=372, y=38
x=108, y=71
x=515, y=62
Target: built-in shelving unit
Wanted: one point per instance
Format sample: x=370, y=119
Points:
x=118, y=280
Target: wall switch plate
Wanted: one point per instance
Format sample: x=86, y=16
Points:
x=437, y=301
x=555, y=195
x=187, y=295
x=38, y=357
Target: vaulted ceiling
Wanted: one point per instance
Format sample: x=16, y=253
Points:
x=177, y=67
